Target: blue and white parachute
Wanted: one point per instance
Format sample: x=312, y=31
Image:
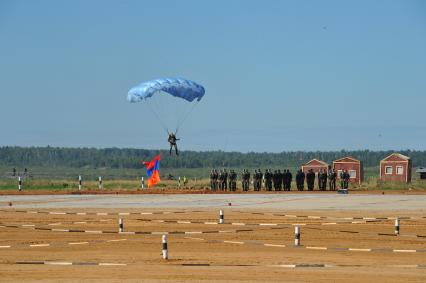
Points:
x=171, y=100
x=177, y=87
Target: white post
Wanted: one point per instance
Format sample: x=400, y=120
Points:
x=221, y=217
x=397, y=226
x=297, y=236
x=79, y=183
x=120, y=225
x=100, y=182
x=142, y=183
x=165, y=251
x=179, y=182
x=19, y=183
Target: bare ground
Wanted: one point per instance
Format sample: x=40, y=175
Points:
x=206, y=257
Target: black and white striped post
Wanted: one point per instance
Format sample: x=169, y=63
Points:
x=120, y=225
x=179, y=182
x=79, y=182
x=142, y=183
x=100, y=182
x=221, y=217
x=297, y=236
x=397, y=226
x=19, y=183
x=165, y=251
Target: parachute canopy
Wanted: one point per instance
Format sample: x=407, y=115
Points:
x=177, y=87
x=171, y=100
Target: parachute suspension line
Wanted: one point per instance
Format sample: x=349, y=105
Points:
x=163, y=106
x=159, y=119
x=185, y=116
x=154, y=106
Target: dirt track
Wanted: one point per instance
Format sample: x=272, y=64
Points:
x=244, y=257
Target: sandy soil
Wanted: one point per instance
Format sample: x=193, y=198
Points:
x=243, y=258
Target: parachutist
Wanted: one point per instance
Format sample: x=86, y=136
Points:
x=160, y=96
x=172, y=140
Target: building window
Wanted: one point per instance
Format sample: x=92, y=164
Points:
x=352, y=174
x=388, y=170
x=399, y=170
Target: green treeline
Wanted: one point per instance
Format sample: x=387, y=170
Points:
x=131, y=158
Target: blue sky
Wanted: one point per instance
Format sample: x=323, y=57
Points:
x=279, y=75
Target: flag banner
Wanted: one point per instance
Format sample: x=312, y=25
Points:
x=152, y=170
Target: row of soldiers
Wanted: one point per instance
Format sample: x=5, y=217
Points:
x=222, y=180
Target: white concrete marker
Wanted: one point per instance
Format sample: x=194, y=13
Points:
x=297, y=236
x=79, y=183
x=120, y=225
x=19, y=183
x=221, y=217
x=165, y=251
x=142, y=183
x=397, y=226
x=100, y=182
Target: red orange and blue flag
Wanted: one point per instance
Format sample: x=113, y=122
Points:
x=152, y=170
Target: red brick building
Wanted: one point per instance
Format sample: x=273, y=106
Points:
x=315, y=165
x=354, y=167
x=396, y=168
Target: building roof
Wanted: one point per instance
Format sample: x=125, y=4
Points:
x=315, y=162
x=396, y=157
x=421, y=170
x=347, y=159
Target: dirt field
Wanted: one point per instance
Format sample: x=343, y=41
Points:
x=35, y=248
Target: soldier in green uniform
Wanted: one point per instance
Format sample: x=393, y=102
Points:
x=220, y=180
x=259, y=180
x=268, y=180
x=346, y=179
x=279, y=180
x=319, y=175
x=332, y=179
x=232, y=181
x=285, y=179
x=324, y=180
x=172, y=141
x=215, y=179
x=225, y=180
x=300, y=180
x=245, y=177
x=247, y=180
x=255, y=180
x=310, y=179
x=289, y=180
x=342, y=179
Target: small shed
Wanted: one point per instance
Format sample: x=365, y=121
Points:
x=422, y=172
x=396, y=168
x=353, y=166
x=316, y=165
